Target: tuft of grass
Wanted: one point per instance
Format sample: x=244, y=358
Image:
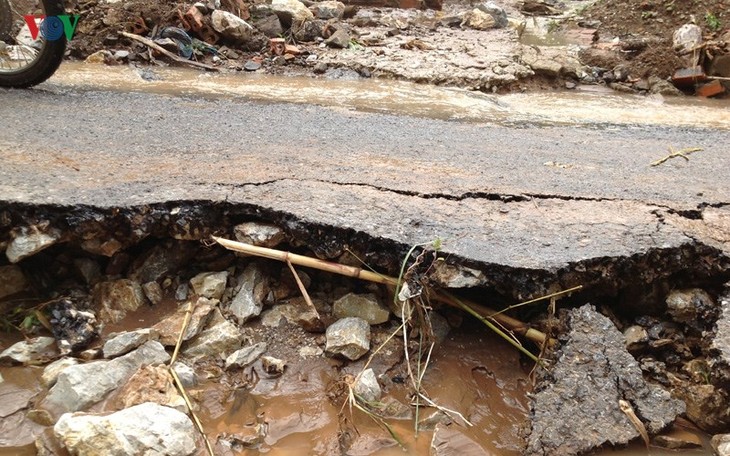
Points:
x=713, y=23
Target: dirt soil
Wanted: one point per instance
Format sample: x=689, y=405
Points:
x=649, y=25
x=601, y=43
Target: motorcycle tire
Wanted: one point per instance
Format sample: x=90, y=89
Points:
x=45, y=62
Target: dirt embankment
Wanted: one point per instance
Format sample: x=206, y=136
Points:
x=479, y=46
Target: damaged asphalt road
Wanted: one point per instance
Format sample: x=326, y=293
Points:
x=525, y=207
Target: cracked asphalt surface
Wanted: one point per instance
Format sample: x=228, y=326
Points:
x=529, y=197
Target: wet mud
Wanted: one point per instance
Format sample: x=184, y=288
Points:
x=482, y=384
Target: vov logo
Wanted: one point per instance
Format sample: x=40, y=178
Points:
x=52, y=28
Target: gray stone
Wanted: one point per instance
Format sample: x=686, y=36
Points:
x=231, y=26
x=720, y=66
x=153, y=292
x=80, y=386
x=576, y=405
x=169, y=328
x=53, y=370
x=181, y=292
x=216, y=340
x=114, y=299
x=145, y=429
x=662, y=87
x=339, y=39
x=210, y=284
x=348, y=337
x=365, y=306
x=29, y=241
x=367, y=386
x=291, y=11
x=269, y=26
x=259, y=234
x=123, y=343
x=328, y=10
x=686, y=38
x=497, y=12
x=245, y=356
x=249, y=299
x=162, y=259
x=36, y=350
x=721, y=444
x=121, y=55
x=251, y=65
x=309, y=30
x=478, y=20
x=89, y=269
x=687, y=306
x=440, y=326
x=186, y=374
x=12, y=280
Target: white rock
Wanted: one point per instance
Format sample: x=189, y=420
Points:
x=125, y=342
x=186, y=374
x=210, y=284
x=32, y=350
x=145, y=429
x=721, y=444
x=291, y=11
x=686, y=37
x=79, y=386
x=218, y=339
x=348, y=337
x=259, y=234
x=249, y=299
x=245, y=356
x=30, y=241
x=231, y=26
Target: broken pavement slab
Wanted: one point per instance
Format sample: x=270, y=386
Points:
x=577, y=406
x=599, y=222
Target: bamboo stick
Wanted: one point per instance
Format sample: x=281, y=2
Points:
x=511, y=323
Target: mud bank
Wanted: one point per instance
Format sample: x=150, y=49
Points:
x=264, y=370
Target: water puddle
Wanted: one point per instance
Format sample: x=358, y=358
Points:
x=594, y=105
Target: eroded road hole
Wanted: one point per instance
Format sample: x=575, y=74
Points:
x=117, y=320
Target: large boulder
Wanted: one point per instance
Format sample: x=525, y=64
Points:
x=145, y=429
x=291, y=11
x=82, y=385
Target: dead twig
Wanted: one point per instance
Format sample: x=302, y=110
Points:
x=151, y=44
x=513, y=324
x=178, y=383
x=303, y=290
x=626, y=407
x=678, y=153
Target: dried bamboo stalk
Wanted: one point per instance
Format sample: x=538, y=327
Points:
x=512, y=324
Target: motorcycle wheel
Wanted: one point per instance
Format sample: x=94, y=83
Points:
x=25, y=61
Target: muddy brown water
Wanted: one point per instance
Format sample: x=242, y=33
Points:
x=590, y=105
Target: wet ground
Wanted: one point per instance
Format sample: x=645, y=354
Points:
x=532, y=191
